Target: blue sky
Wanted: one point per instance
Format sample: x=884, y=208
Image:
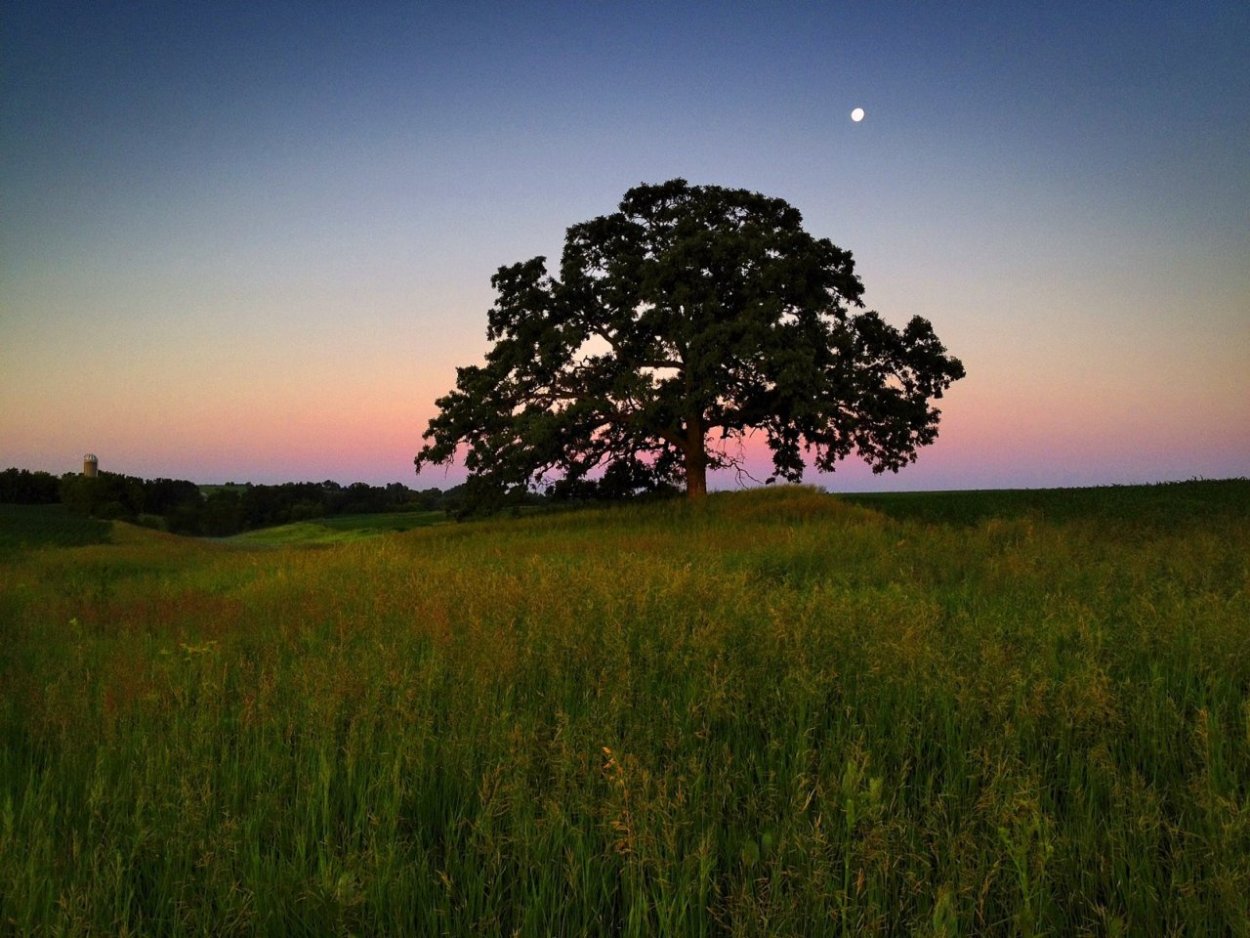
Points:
x=254, y=240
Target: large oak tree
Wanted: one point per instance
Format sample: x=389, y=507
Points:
x=679, y=324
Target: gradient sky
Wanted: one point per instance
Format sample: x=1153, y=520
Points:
x=251, y=241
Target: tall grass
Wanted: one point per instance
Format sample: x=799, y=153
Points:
x=781, y=714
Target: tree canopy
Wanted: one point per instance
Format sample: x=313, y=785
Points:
x=688, y=319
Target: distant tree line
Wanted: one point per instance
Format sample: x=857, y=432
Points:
x=183, y=507
x=23, y=487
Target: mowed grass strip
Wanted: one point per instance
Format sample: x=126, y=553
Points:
x=337, y=529
x=779, y=713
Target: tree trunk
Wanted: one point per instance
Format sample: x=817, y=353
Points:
x=696, y=461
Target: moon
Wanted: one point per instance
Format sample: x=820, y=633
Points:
x=857, y=115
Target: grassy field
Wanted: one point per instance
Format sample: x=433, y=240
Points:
x=1122, y=509
x=338, y=529
x=782, y=713
x=23, y=527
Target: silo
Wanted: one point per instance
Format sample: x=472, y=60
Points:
x=90, y=466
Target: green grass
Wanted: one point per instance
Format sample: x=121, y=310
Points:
x=339, y=529
x=779, y=714
x=1154, y=506
x=28, y=527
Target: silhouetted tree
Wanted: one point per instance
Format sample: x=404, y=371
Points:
x=164, y=496
x=109, y=495
x=222, y=514
x=23, y=487
x=689, y=318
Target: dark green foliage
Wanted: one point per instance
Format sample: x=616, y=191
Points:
x=265, y=505
x=108, y=495
x=689, y=318
x=182, y=507
x=23, y=487
x=222, y=514
x=160, y=496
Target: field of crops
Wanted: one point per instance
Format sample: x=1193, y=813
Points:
x=780, y=713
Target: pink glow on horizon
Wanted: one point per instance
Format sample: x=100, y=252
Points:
x=373, y=438
x=268, y=265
